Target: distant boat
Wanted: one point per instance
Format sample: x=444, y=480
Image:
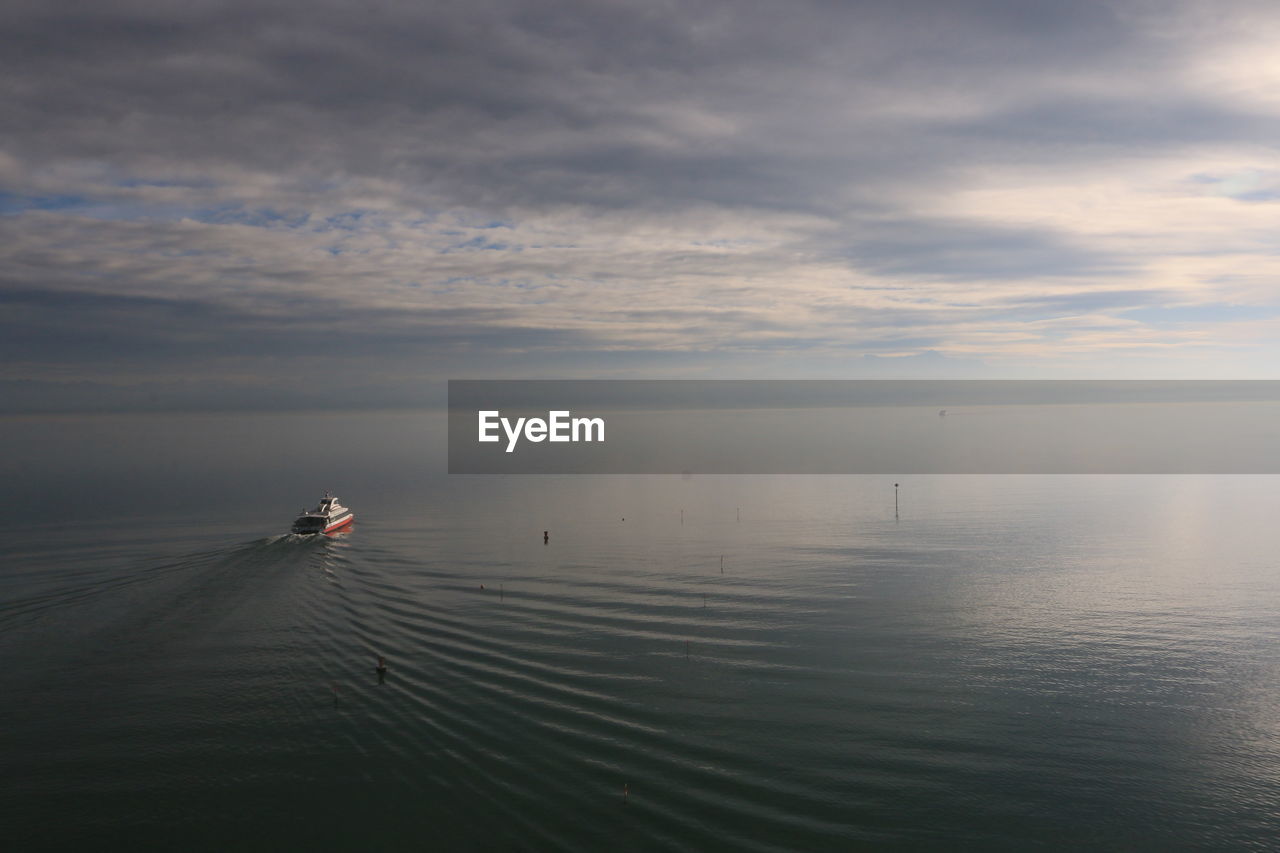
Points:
x=326, y=518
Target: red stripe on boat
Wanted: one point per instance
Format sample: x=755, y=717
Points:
x=343, y=523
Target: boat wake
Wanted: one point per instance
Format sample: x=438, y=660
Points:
x=55, y=581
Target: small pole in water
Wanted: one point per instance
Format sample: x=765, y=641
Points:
x=546, y=536
x=502, y=591
x=722, y=564
x=704, y=599
x=682, y=518
x=895, y=500
x=626, y=792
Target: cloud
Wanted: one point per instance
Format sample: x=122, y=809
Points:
x=235, y=186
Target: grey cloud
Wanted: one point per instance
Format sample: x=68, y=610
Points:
x=1097, y=300
x=824, y=131
x=525, y=103
x=495, y=105
x=69, y=326
x=1078, y=128
x=971, y=251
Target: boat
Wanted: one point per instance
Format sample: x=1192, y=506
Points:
x=325, y=518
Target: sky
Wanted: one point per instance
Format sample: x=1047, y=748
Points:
x=277, y=204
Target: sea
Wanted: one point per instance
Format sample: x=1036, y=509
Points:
x=686, y=663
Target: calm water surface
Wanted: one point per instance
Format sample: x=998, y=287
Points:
x=1011, y=663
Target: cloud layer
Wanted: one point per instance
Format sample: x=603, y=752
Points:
x=412, y=191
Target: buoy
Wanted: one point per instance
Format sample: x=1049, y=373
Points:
x=546, y=536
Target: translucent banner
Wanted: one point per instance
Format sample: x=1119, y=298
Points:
x=863, y=427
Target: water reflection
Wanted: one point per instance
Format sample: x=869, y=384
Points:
x=1001, y=661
